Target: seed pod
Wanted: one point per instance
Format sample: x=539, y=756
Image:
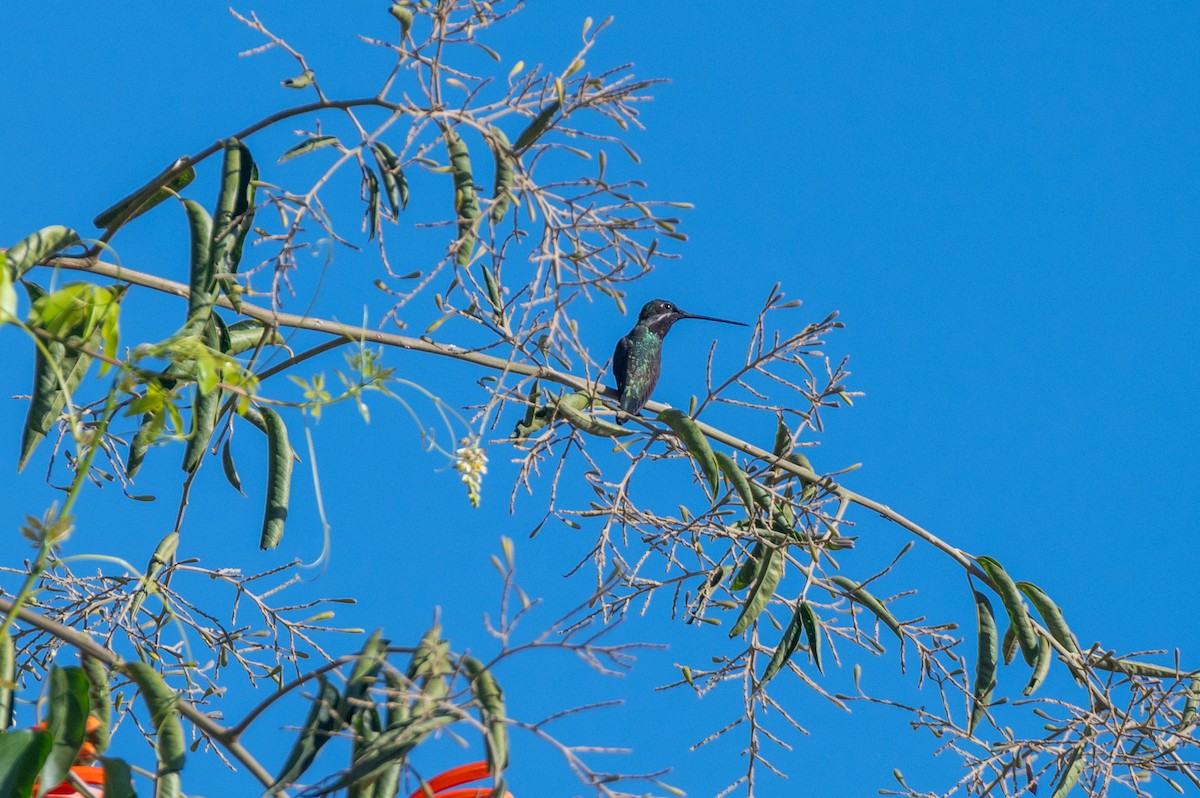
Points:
x=234, y=216
x=985, y=663
x=536, y=128
x=1013, y=604
x=502, y=190
x=761, y=591
x=466, y=203
x=279, y=479
x=146, y=197
x=395, y=185
x=697, y=445
x=307, y=146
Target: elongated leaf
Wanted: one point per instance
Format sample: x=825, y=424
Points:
x=22, y=753
x=169, y=743
x=8, y=677
x=279, y=479
x=1051, y=614
x=36, y=247
x=697, y=445
x=1013, y=605
x=466, y=202
x=491, y=710
x=66, y=720
x=307, y=146
x=1041, y=667
x=738, y=479
x=784, y=650
x=865, y=598
x=118, y=780
x=1072, y=770
x=985, y=662
x=146, y=197
x=536, y=128
x=99, y=699
x=8, y=293
x=50, y=393
x=761, y=591
x=322, y=721
x=812, y=631
x=502, y=186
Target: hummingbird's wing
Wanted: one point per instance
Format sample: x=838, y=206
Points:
x=620, y=363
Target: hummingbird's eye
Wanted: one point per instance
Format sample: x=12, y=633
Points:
x=668, y=306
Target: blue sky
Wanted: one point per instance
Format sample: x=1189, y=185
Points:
x=1001, y=202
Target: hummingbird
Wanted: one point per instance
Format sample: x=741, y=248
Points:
x=637, y=361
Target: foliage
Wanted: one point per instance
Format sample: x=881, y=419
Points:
x=757, y=539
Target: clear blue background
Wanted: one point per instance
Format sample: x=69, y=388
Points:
x=1001, y=201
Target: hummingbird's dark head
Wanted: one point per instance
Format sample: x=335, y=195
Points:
x=659, y=315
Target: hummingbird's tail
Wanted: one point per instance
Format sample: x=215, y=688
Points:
x=630, y=405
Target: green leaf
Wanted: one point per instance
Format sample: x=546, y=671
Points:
x=812, y=630
x=1011, y=596
x=784, y=650
x=404, y=16
x=279, y=479
x=21, y=756
x=307, y=146
x=74, y=311
x=36, y=247
x=1071, y=771
x=985, y=662
x=66, y=720
x=865, y=598
x=761, y=591
x=536, y=128
x=118, y=780
x=146, y=197
x=322, y=721
x=8, y=294
x=301, y=81
x=697, y=445
x=8, y=678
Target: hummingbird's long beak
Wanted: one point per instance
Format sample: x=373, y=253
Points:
x=711, y=318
